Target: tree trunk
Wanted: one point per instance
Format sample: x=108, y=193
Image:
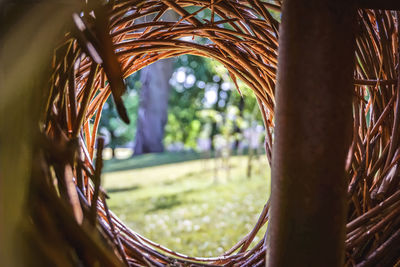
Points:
x=153, y=105
x=237, y=128
x=112, y=144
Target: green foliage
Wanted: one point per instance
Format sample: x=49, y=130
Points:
x=186, y=98
x=201, y=96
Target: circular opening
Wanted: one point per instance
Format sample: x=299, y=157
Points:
x=194, y=198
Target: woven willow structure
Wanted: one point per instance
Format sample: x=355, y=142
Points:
x=109, y=43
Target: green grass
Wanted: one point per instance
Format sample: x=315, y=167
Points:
x=182, y=206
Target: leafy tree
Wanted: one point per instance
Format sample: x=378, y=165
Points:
x=189, y=81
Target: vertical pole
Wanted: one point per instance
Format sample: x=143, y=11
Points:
x=312, y=134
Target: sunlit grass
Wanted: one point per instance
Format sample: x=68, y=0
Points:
x=182, y=205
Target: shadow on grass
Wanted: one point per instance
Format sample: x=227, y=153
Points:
x=123, y=189
x=165, y=203
x=168, y=201
x=149, y=160
x=179, y=179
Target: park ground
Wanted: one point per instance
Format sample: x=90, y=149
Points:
x=180, y=201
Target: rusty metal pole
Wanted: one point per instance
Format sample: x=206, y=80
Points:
x=312, y=134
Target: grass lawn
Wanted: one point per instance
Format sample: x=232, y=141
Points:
x=182, y=206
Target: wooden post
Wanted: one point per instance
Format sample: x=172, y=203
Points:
x=312, y=134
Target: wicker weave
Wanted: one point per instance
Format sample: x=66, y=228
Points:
x=243, y=36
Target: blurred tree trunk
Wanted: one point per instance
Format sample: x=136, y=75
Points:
x=112, y=144
x=153, y=105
